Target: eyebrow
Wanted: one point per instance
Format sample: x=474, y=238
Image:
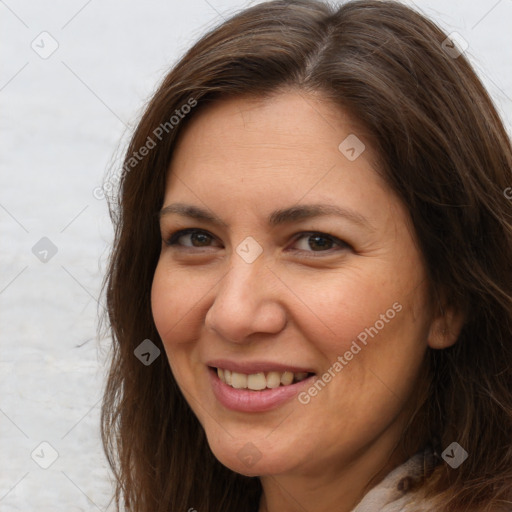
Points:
x=278, y=217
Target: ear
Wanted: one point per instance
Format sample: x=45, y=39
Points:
x=445, y=328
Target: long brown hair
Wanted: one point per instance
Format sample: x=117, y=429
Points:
x=443, y=149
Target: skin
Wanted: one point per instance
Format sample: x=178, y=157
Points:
x=300, y=302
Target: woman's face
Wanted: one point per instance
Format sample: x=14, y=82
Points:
x=297, y=264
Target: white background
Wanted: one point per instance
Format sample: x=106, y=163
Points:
x=62, y=120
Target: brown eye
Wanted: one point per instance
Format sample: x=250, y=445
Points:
x=191, y=238
x=318, y=242
x=199, y=239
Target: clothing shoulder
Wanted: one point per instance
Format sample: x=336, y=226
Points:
x=393, y=493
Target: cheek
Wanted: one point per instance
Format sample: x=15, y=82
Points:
x=377, y=326
x=163, y=302
x=175, y=314
x=176, y=302
x=337, y=308
x=372, y=351
x=375, y=344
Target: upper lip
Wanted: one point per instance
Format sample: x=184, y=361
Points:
x=249, y=367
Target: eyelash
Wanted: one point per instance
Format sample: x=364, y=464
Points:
x=174, y=237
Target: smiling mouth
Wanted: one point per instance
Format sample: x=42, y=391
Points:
x=261, y=380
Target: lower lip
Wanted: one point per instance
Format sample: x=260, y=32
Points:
x=245, y=400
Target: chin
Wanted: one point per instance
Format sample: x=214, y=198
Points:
x=250, y=455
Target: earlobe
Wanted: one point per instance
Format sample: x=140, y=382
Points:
x=445, y=328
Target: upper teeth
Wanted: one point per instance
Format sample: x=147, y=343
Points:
x=259, y=381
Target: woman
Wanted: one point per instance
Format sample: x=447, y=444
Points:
x=310, y=288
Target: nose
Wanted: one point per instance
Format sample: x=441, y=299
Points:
x=247, y=301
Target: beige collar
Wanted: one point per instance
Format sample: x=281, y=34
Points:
x=392, y=494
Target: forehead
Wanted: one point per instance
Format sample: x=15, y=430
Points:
x=288, y=120
x=290, y=146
